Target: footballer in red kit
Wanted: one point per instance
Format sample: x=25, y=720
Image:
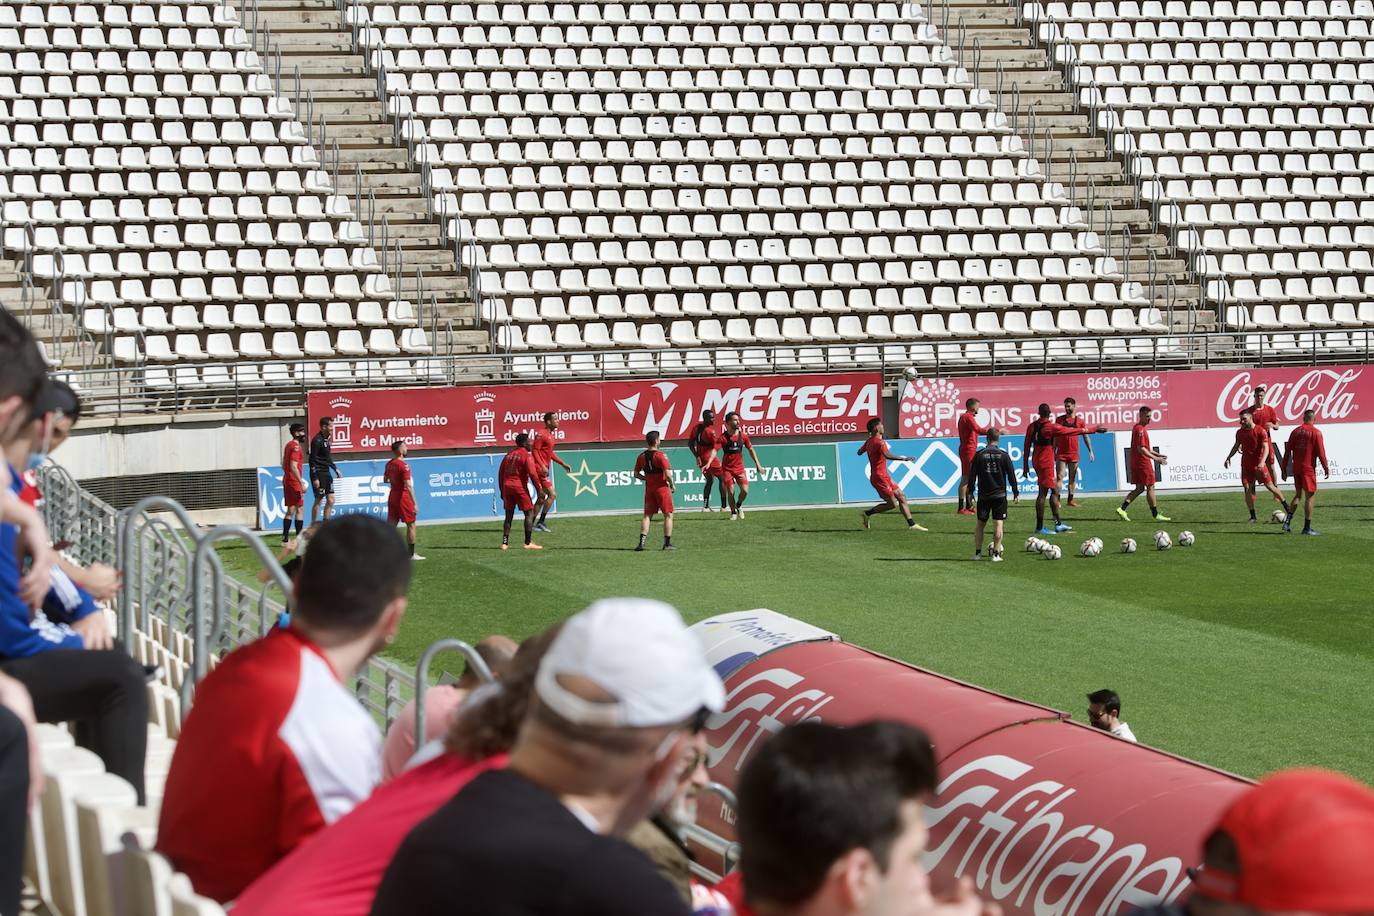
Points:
x=733, y=444
x=1252, y=441
x=1141, y=467
x=400, y=502
x=1306, y=447
x=653, y=469
x=969, y=431
x=292, y=483
x=1267, y=419
x=517, y=469
x=875, y=447
x=1038, y=451
x=1066, y=450
x=702, y=442
x=546, y=458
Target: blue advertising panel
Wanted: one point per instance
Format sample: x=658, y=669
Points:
x=934, y=472
x=446, y=489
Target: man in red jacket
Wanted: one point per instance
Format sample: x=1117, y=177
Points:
x=969, y=431
x=517, y=469
x=1306, y=446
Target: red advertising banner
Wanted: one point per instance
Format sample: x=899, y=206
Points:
x=930, y=407
x=477, y=416
x=1028, y=805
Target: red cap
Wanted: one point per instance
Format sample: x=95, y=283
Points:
x=1305, y=842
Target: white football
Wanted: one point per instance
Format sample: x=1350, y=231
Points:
x=1033, y=545
x=909, y=372
x=1091, y=548
x=1185, y=539
x=1051, y=552
x=1128, y=545
x=1162, y=540
x=1279, y=517
x=1098, y=542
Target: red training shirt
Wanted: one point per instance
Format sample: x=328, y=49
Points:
x=733, y=448
x=1040, y=438
x=275, y=748
x=517, y=469
x=704, y=442
x=876, y=450
x=1254, y=445
x=1306, y=446
x=293, y=456
x=543, y=451
x=969, y=431
x=655, y=475
x=1265, y=415
x=396, y=474
x=1066, y=447
x=337, y=873
x=1140, y=438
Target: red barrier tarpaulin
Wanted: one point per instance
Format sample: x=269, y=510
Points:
x=475, y=416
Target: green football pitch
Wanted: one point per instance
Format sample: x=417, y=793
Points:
x=1251, y=650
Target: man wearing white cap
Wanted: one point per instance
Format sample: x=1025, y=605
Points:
x=618, y=698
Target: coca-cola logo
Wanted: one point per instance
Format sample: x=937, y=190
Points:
x=1324, y=390
x=672, y=409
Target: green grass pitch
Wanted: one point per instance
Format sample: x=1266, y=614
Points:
x=1252, y=650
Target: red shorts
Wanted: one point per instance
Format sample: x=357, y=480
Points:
x=730, y=474
x=400, y=510
x=711, y=470
x=1255, y=474
x=658, y=499
x=292, y=496
x=885, y=487
x=1305, y=479
x=1066, y=456
x=966, y=460
x=1045, y=478
x=1143, y=475
x=516, y=496
x=545, y=481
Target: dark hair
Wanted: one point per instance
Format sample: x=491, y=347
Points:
x=548, y=416
x=1247, y=412
x=325, y=419
x=21, y=363
x=873, y=424
x=491, y=726
x=1308, y=414
x=708, y=415
x=1044, y=410
x=1144, y=408
x=1071, y=401
x=522, y=440
x=1109, y=700
x=731, y=416
x=814, y=792
x=296, y=428
x=651, y=437
x=968, y=405
x=396, y=446
x=993, y=434
x=358, y=565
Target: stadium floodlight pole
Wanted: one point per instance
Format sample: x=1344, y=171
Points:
x=478, y=664
x=132, y=515
x=200, y=640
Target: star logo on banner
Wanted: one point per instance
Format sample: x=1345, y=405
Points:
x=589, y=475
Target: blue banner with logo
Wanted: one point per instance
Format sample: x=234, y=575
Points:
x=935, y=470
x=446, y=489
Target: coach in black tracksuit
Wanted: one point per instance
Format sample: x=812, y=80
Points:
x=989, y=474
x=323, y=470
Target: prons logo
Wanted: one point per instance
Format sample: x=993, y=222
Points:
x=485, y=416
x=341, y=435
x=1321, y=390
x=768, y=694
x=669, y=409
x=929, y=407
x=1000, y=823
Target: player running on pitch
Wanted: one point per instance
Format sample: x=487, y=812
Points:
x=1306, y=446
x=1267, y=419
x=990, y=473
x=1038, y=452
x=1066, y=449
x=516, y=471
x=702, y=442
x=653, y=468
x=545, y=458
x=1252, y=441
x=400, y=503
x=1141, y=465
x=969, y=431
x=292, y=483
x=733, y=444
x=878, y=457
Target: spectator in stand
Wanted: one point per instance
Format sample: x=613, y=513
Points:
x=337, y=872
x=71, y=672
x=277, y=745
x=441, y=703
x=21, y=779
x=619, y=697
x=1300, y=842
x=831, y=822
x=1104, y=712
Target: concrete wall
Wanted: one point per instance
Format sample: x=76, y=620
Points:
x=156, y=445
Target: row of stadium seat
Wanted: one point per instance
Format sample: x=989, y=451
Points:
x=190, y=377
x=285, y=345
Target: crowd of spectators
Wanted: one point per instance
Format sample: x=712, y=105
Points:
x=562, y=785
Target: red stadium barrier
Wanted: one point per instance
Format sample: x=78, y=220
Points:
x=1049, y=817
